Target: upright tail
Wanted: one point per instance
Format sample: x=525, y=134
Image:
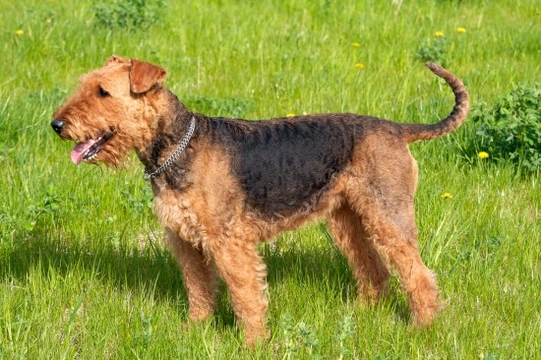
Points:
x=415, y=132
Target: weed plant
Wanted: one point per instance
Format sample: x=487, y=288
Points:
x=511, y=129
x=128, y=14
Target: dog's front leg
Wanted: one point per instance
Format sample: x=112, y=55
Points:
x=199, y=276
x=244, y=272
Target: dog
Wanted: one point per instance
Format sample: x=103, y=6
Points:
x=223, y=185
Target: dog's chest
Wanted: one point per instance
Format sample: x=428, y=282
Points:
x=177, y=213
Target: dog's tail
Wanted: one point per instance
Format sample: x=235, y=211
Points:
x=415, y=132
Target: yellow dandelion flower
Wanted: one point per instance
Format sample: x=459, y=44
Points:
x=438, y=33
x=446, y=196
x=356, y=44
x=483, y=155
x=49, y=21
x=19, y=32
x=290, y=115
x=359, y=65
x=461, y=30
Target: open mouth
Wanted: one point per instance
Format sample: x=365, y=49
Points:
x=88, y=150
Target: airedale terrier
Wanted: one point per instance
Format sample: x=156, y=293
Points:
x=222, y=185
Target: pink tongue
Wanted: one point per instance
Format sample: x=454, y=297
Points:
x=79, y=150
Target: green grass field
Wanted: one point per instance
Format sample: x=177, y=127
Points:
x=84, y=272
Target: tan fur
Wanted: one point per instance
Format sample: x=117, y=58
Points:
x=210, y=228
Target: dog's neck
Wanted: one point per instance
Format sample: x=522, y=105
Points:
x=175, y=127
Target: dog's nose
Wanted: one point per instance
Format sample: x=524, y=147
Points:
x=57, y=125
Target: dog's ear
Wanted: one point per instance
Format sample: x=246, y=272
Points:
x=143, y=76
x=115, y=60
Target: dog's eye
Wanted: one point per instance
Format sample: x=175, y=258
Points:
x=102, y=92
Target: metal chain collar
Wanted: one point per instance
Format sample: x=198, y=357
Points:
x=174, y=156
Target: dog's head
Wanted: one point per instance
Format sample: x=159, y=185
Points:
x=109, y=114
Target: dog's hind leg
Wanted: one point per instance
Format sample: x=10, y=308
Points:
x=393, y=230
x=352, y=239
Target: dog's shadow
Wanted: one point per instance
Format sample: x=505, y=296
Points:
x=152, y=267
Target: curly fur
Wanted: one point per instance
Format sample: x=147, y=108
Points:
x=241, y=182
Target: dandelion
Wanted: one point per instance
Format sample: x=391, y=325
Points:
x=461, y=30
x=49, y=21
x=483, y=155
x=359, y=65
x=290, y=115
x=19, y=32
x=446, y=196
x=438, y=33
x=356, y=44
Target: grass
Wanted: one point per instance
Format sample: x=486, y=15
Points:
x=84, y=272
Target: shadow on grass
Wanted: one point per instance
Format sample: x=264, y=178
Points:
x=153, y=268
x=125, y=267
